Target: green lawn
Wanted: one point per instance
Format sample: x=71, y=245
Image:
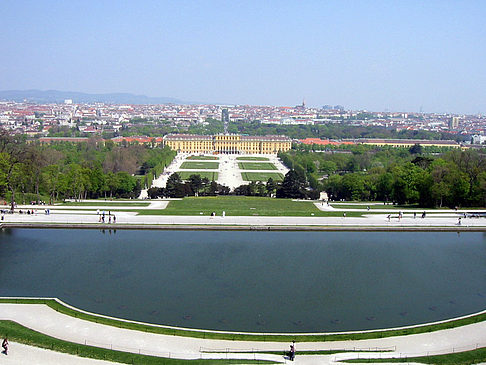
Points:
x=202, y=158
x=256, y=166
x=252, y=158
x=103, y=203
x=456, y=358
x=188, y=165
x=211, y=175
x=262, y=176
x=243, y=206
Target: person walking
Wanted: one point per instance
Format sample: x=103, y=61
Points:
x=5, y=345
x=292, y=351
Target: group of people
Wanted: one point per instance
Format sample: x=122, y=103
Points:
x=400, y=215
x=102, y=216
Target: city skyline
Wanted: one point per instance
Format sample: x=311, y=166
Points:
x=378, y=56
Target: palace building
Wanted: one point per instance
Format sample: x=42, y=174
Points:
x=227, y=143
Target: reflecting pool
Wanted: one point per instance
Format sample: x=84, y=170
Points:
x=251, y=281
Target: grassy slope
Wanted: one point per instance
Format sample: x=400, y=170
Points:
x=243, y=206
x=103, y=203
x=457, y=358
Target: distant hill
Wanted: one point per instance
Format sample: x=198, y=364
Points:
x=55, y=96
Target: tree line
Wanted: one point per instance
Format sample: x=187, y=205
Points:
x=404, y=176
x=294, y=185
x=31, y=172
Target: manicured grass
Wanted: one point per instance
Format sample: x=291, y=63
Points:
x=18, y=333
x=200, y=165
x=202, y=158
x=252, y=158
x=256, y=166
x=243, y=206
x=250, y=337
x=261, y=176
x=103, y=203
x=456, y=358
x=211, y=175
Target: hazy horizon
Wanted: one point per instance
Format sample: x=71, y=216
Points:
x=375, y=55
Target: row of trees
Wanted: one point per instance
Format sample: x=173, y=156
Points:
x=294, y=186
x=193, y=186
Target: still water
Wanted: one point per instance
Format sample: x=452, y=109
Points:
x=251, y=281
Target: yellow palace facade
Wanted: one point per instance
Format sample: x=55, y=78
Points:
x=227, y=143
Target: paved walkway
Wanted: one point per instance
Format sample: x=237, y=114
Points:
x=229, y=173
x=45, y=320
x=89, y=216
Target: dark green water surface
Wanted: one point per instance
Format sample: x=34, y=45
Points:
x=251, y=281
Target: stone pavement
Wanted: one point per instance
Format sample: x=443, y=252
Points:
x=71, y=217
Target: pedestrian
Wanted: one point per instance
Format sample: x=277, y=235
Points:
x=414, y=215
x=97, y=211
x=109, y=219
x=292, y=351
x=423, y=214
x=344, y=215
x=5, y=346
x=389, y=216
x=114, y=219
x=459, y=221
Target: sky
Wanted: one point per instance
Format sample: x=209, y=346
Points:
x=365, y=55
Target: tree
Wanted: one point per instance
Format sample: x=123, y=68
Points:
x=293, y=186
x=271, y=186
x=416, y=149
x=195, y=182
x=172, y=183
x=51, y=176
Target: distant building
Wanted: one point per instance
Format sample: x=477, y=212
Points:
x=478, y=139
x=324, y=142
x=407, y=142
x=227, y=143
x=454, y=123
x=139, y=139
x=225, y=118
x=63, y=139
